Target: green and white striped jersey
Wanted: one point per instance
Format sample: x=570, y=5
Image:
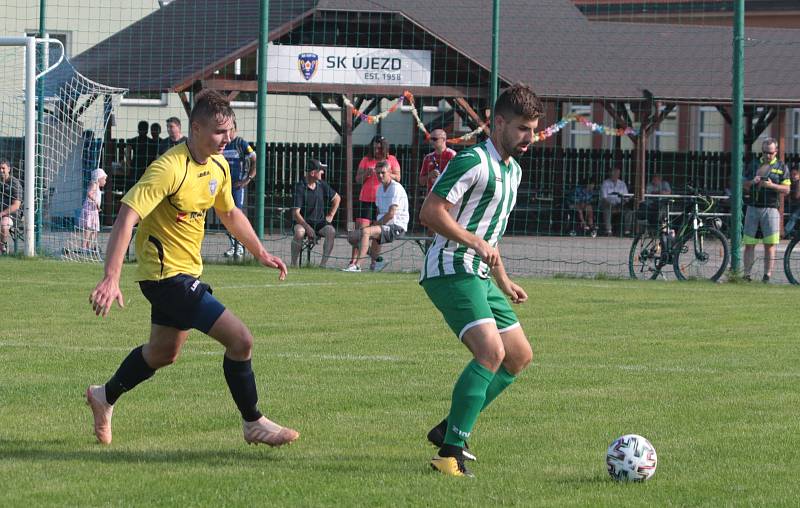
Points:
x=483, y=191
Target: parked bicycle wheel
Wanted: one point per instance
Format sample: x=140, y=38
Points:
x=646, y=258
x=791, y=261
x=705, y=258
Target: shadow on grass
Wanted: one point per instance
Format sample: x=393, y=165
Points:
x=66, y=451
x=55, y=450
x=591, y=479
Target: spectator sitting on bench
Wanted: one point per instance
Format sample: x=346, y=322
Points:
x=612, y=201
x=10, y=201
x=582, y=199
x=392, y=222
x=651, y=207
x=311, y=194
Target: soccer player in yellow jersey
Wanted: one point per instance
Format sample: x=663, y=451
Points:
x=169, y=203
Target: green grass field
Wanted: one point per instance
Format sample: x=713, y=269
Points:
x=362, y=365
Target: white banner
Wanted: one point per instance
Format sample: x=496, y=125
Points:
x=355, y=66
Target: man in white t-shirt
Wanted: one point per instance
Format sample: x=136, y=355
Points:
x=612, y=200
x=392, y=222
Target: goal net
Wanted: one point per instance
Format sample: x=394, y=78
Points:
x=71, y=116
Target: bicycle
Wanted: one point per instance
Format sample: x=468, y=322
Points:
x=696, y=249
x=791, y=257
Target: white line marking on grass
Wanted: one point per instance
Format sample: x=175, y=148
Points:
x=650, y=285
x=363, y=282
x=220, y=351
x=669, y=370
x=355, y=358
x=303, y=356
x=302, y=284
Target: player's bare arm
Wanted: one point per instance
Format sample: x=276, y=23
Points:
x=506, y=285
x=435, y=214
x=238, y=225
x=334, y=207
x=388, y=216
x=779, y=188
x=107, y=290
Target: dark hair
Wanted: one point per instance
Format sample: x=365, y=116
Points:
x=5, y=161
x=142, y=126
x=210, y=104
x=175, y=120
x=155, y=125
x=384, y=164
x=384, y=144
x=519, y=100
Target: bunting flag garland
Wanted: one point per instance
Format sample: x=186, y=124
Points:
x=407, y=97
x=547, y=132
x=594, y=127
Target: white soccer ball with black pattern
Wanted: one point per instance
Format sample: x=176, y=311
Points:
x=631, y=458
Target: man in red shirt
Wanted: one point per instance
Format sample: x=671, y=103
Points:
x=434, y=163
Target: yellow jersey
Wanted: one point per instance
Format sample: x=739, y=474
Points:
x=171, y=199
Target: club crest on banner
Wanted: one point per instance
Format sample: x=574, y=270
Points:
x=307, y=63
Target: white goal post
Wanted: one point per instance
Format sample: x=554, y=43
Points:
x=30, y=134
x=53, y=124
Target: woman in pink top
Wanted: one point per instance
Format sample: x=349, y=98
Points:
x=365, y=175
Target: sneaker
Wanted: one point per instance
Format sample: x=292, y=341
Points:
x=239, y=251
x=352, y=268
x=379, y=265
x=96, y=399
x=268, y=432
x=451, y=466
x=436, y=438
x=765, y=279
x=747, y=278
x=230, y=252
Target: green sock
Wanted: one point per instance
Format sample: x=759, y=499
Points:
x=502, y=379
x=468, y=396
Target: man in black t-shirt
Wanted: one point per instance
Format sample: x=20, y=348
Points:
x=311, y=220
x=136, y=155
x=10, y=202
x=766, y=182
x=174, y=135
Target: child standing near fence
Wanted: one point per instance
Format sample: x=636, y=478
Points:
x=90, y=213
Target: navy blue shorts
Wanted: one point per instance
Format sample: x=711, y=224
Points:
x=182, y=302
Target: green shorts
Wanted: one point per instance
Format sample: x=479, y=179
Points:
x=466, y=301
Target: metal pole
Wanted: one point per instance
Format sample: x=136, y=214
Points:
x=30, y=145
x=42, y=65
x=261, y=124
x=495, y=54
x=738, y=135
x=347, y=142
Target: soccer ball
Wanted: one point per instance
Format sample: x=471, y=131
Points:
x=631, y=458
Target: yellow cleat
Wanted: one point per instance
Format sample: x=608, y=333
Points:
x=451, y=466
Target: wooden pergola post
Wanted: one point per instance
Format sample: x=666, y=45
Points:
x=347, y=142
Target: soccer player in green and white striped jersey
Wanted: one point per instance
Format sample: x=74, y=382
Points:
x=468, y=209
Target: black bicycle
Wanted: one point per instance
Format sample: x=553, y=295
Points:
x=791, y=257
x=695, y=247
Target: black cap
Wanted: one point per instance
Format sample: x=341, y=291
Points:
x=316, y=165
x=378, y=139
